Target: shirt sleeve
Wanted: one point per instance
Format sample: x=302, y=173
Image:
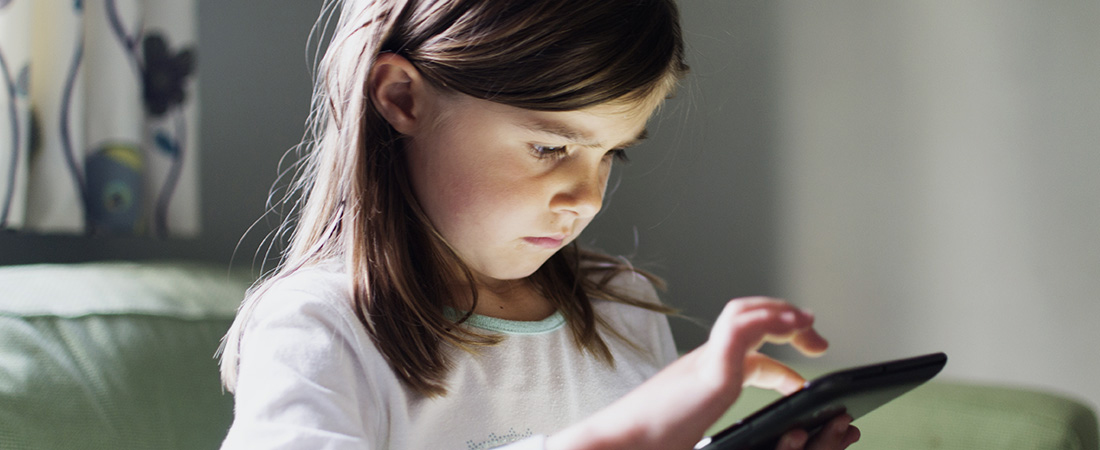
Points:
x=667, y=345
x=298, y=384
x=647, y=328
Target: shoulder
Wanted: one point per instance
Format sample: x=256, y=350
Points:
x=322, y=290
x=303, y=345
x=633, y=285
x=633, y=322
x=613, y=276
x=303, y=314
x=302, y=327
x=327, y=280
x=642, y=330
x=626, y=284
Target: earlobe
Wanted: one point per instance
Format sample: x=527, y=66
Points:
x=396, y=90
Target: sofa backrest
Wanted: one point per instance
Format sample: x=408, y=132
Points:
x=114, y=355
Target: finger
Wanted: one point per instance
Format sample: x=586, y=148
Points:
x=767, y=373
x=807, y=341
x=754, y=327
x=852, y=436
x=740, y=305
x=782, y=316
x=793, y=440
x=745, y=324
x=758, y=301
x=810, y=343
x=833, y=435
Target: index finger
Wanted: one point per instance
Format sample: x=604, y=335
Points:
x=808, y=341
x=766, y=373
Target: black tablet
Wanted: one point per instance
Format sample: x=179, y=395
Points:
x=856, y=391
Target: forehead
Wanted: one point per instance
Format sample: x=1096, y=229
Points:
x=609, y=124
x=611, y=116
x=601, y=126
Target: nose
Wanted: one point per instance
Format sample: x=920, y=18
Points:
x=580, y=190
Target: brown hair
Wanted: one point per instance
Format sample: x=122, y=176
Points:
x=551, y=55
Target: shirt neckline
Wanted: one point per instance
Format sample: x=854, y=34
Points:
x=513, y=327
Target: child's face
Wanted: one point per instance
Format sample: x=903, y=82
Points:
x=508, y=187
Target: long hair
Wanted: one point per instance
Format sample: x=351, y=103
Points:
x=357, y=204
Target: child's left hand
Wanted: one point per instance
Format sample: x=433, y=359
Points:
x=838, y=433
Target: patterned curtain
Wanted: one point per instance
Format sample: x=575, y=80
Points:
x=98, y=117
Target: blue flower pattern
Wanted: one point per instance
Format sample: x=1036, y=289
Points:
x=110, y=182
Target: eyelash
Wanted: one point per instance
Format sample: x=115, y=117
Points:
x=548, y=152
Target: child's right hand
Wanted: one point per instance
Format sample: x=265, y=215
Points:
x=673, y=409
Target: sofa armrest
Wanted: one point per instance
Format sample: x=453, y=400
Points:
x=114, y=355
x=947, y=415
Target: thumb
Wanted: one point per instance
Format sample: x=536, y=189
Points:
x=767, y=373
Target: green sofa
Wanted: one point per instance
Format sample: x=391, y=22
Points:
x=119, y=355
x=114, y=355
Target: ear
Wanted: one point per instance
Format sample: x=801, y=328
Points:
x=398, y=92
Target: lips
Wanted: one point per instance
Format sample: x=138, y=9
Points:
x=545, y=241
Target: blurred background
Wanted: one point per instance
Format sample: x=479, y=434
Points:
x=922, y=175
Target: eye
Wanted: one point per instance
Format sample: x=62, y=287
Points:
x=546, y=151
x=619, y=154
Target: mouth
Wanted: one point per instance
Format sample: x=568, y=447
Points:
x=554, y=241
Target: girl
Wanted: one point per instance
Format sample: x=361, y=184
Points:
x=432, y=296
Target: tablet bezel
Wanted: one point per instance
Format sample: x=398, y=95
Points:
x=856, y=391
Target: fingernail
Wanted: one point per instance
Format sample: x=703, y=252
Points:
x=788, y=317
x=795, y=440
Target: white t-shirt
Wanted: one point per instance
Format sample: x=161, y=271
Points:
x=311, y=378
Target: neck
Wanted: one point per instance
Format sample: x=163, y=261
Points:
x=511, y=300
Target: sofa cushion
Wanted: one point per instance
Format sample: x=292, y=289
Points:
x=946, y=414
x=114, y=355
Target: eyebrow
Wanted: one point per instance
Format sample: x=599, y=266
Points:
x=574, y=135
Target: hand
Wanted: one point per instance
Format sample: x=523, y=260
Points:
x=673, y=409
x=745, y=325
x=837, y=434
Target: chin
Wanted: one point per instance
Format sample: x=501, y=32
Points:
x=515, y=271
x=514, y=274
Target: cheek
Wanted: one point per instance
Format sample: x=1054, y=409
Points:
x=441, y=191
x=486, y=199
x=461, y=197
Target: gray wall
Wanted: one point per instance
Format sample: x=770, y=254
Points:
x=697, y=203
x=938, y=183
x=922, y=175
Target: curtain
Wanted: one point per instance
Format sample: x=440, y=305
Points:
x=98, y=117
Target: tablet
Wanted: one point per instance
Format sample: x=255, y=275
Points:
x=856, y=391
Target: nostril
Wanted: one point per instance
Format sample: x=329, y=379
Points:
x=578, y=203
x=582, y=189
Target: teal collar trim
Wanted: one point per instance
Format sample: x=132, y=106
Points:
x=514, y=327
